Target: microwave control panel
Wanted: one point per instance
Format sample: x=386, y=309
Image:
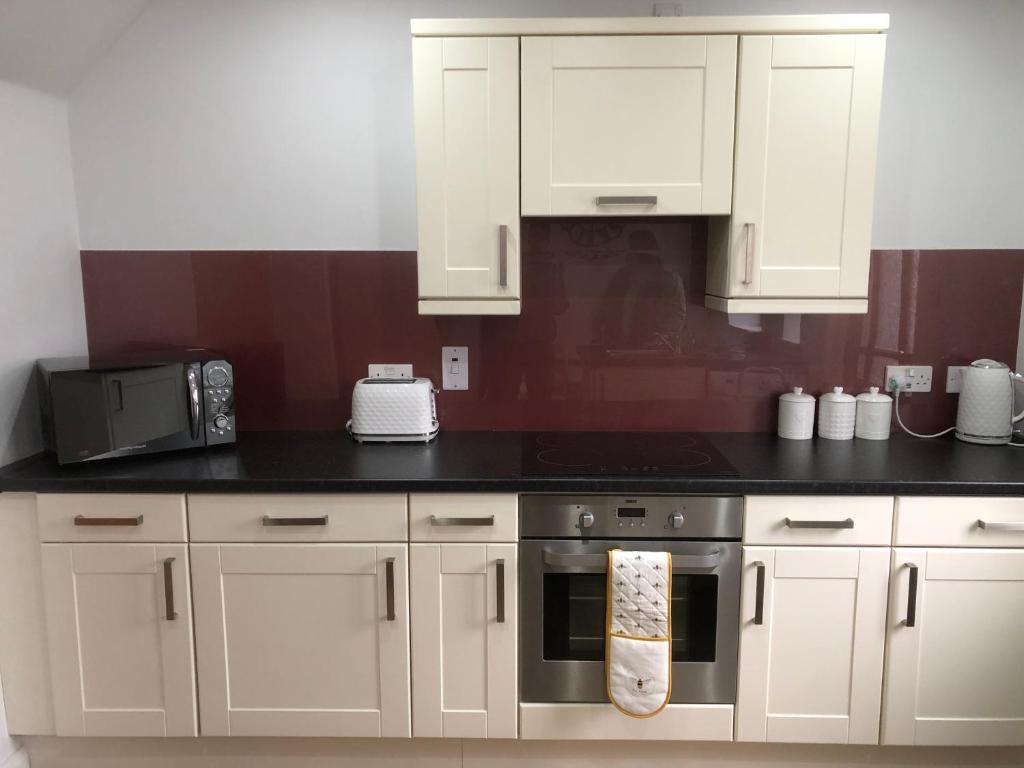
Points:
x=219, y=402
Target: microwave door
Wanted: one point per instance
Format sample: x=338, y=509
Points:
x=145, y=404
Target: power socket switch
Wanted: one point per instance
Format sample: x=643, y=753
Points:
x=455, y=367
x=955, y=377
x=908, y=378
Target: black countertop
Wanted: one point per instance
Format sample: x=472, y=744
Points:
x=291, y=462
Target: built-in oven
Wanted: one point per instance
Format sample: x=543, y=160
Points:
x=564, y=541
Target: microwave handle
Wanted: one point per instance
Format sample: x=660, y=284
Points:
x=599, y=563
x=193, y=402
x=116, y=395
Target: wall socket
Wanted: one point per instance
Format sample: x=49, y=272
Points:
x=908, y=378
x=454, y=367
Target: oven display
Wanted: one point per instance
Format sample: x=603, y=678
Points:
x=631, y=513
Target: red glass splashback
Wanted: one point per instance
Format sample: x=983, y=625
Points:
x=613, y=334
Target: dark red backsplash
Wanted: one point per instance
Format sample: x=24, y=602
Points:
x=613, y=334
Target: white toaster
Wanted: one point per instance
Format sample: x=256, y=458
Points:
x=393, y=410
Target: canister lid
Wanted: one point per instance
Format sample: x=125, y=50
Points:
x=838, y=396
x=874, y=396
x=796, y=396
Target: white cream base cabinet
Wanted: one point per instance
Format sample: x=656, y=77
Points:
x=119, y=627
x=955, y=664
x=302, y=639
x=464, y=630
x=811, y=644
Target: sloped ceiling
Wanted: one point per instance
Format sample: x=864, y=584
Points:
x=51, y=45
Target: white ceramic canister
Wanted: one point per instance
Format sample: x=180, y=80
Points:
x=874, y=415
x=796, y=415
x=837, y=415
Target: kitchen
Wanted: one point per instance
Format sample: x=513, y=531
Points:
x=299, y=187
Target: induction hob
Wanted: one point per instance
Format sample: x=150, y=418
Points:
x=663, y=454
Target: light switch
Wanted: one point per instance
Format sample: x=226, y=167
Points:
x=455, y=367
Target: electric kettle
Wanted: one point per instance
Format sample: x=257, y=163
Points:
x=986, y=413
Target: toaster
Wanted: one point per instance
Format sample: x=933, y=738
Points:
x=393, y=410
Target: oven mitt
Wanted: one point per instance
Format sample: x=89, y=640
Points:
x=638, y=651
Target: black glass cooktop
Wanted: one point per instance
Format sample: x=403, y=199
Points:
x=622, y=453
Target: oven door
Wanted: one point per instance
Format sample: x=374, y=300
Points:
x=562, y=619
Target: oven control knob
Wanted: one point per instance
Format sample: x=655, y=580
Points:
x=586, y=520
x=675, y=520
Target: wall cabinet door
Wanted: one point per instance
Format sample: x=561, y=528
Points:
x=647, y=119
x=956, y=648
x=119, y=625
x=467, y=174
x=302, y=640
x=464, y=625
x=811, y=671
x=806, y=137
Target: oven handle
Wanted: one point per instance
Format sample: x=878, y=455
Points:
x=599, y=563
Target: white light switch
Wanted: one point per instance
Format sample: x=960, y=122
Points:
x=455, y=367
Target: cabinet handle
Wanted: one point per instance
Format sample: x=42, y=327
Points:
x=626, y=200
x=847, y=523
x=268, y=520
x=503, y=255
x=389, y=581
x=759, y=594
x=435, y=520
x=985, y=526
x=100, y=521
x=911, y=619
x=748, y=263
x=499, y=579
x=169, y=590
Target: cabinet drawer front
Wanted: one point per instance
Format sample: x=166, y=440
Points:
x=463, y=517
x=949, y=521
x=100, y=517
x=819, y=520
x=306, y=517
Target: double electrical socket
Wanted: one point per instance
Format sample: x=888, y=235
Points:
x=918, y=378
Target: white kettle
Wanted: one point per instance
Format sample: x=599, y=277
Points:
x=986, y=414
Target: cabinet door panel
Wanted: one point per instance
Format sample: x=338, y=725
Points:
x=293, y=640
x=121, y=666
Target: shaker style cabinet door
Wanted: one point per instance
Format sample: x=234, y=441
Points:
x=806, y=136
x=955, y=661
x=119, y=624
x=464, y=628
x=621, y=125
x=467, y=174
x=811, y=644
x=302, y=640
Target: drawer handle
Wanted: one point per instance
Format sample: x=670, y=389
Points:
x=389, y=580
x=994, y=526
x=269, y=521
x=626, y=200
x=911, y=619
x=830, y=524
x=169, y=590
x=748, y=259
x=759, y=594
x=102, y=521
x=503, y=255
x=435, y=520
x=499, y=579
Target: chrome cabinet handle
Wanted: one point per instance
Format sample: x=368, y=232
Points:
x=503, y=255
x=102, y=521
x=759, y=593
x=599, y=563
x=911, y=619
x=626, y=200
x=748, y=263
x=169, y=590
x=831, y=524
x=193, y=403
x=435, y=520
x=389, y=581
x=997, y=526
x=499, y=579
x=269, y=521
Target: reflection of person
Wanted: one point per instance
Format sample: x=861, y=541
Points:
x=645, y=301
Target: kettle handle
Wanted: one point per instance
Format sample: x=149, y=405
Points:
x=1015, y=377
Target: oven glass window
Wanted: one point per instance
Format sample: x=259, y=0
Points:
x=574, y=616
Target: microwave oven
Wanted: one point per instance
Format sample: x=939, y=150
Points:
x=147, y=403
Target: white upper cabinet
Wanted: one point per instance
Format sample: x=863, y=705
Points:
x=799, y=239
x=467, y=174
x=619, y=125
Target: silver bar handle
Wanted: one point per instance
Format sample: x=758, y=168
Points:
x=1000, y=526
x=503, y=255
x=626, y=200
x=499, y=579
x=829, y=524
x=276, y=521
x=192, y=379
x=599, y=563
x=389, y=582
x=748, y=262
x=759, y=593
x=169, y=590
x=105, y=521
x=435, y=520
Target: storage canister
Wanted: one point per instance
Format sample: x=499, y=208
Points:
x=874, y=415
x=796, y=415
x=837, y=415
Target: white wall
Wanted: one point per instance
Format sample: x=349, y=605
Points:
x=287, y=124
x=41, y=310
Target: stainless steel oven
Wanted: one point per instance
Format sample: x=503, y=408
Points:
x=563, y=548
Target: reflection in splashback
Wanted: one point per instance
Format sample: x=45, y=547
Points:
x=613, y=334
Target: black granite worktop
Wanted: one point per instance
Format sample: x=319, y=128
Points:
x=292, y=462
